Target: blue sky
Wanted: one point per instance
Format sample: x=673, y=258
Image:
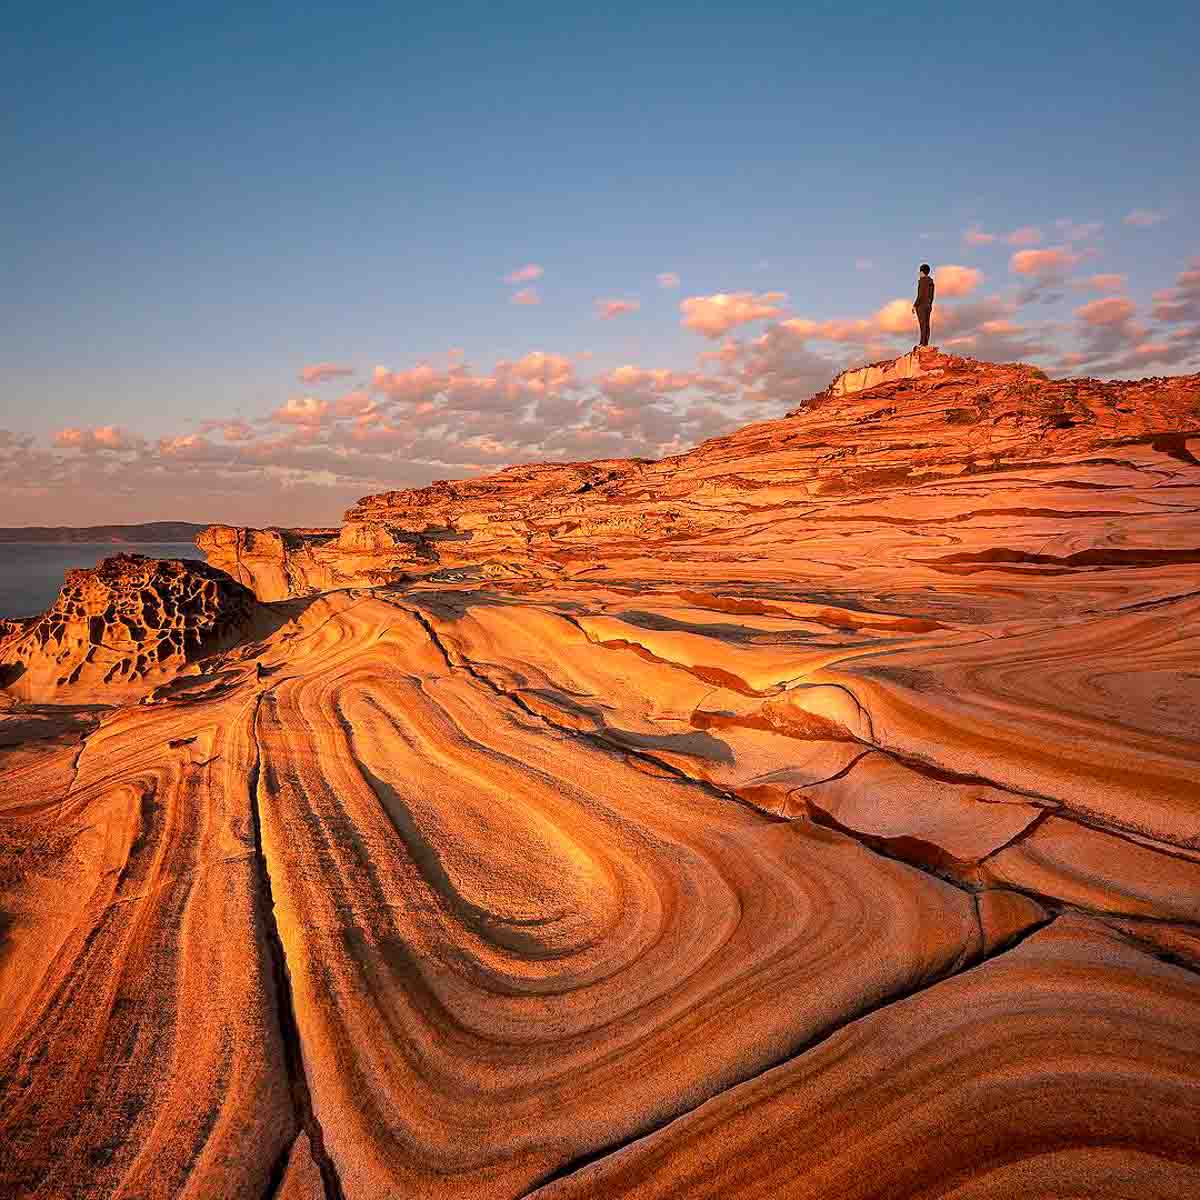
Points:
x=198, y=204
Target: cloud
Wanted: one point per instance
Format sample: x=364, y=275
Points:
x=952, y=280
x=422, y=382
x=320, y=372
x=780, y=366
x=668, y=279
x=976, y=237
x=103, y=438
x=896, y=316
x=525, y=274
x=1112, y=310
x=237, y=431
x=607, y=309
x=715, y=315
x=1143, y=218
x=1182, y=302
x=526, y=296
x=1112, y=340
x=546, y=372
x=357, y=403
x=1043, y=265
x=1027, y=235
x=635, y=381
x=1101, y=283
x=302, y=410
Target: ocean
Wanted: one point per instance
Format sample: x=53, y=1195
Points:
x=32, y=572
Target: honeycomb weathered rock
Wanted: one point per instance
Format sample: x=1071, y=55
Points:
x=127, y=623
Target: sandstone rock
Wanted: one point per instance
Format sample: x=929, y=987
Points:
x=124, y=625
x=932, y=464
x=273, y=563
x=919, y=362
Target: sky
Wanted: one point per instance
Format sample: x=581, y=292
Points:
x=262, y=260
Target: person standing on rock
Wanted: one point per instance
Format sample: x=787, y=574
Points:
x=923, y=305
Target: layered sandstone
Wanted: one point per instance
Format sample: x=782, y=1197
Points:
x=945, y=464
x=814, y=814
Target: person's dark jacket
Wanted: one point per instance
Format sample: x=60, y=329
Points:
x=925, y=292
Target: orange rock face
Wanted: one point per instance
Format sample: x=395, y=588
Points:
x=814, y=814
x=118, y=628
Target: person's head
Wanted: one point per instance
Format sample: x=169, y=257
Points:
x=924, y=268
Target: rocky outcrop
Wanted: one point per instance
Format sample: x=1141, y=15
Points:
x=884, y=456
x=273, y=563
x=920, y=361
x=120, y=627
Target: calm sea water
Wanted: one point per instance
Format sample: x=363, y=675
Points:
x=32, y=572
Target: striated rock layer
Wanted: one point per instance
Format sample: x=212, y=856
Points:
x=814, y=814
x=961, y=464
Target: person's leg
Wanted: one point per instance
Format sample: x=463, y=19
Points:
x=923, y=317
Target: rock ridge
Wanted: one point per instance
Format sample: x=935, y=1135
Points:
x=901, y=427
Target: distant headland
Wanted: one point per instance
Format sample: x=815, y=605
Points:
x=150, y=531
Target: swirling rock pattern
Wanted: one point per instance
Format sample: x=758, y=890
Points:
x=811, y=815
x=1048, y=1071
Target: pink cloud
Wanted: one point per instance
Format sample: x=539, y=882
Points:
x=863, y=264
x=976, y=237
x=237, y=431
x=320, y=372
x=541, y=371
x=354, y=404
x=1112, y=310
x=302, y=410
x=421, y=382
x=1143, y=218
x=607, y=309
x=668, y=279
x=1027, y=235
x=1102, y=283
x=1043, y=264
x=1111, y=340
x=895, y=317
x=715, y=315
x=1182, y=302
x=526, y=296
x=103, y=437
x=193, y=447
x=526, y=274
x=952, y=280
x=629, y=380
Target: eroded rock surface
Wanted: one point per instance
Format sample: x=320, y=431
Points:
x=816, y=814
x=123, y=625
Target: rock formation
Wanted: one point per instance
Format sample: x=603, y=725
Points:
x=945, y=461
x=811, y=815
x=121, y=626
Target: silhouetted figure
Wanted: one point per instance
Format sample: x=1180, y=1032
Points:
x=923, y=305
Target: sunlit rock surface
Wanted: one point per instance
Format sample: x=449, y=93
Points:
x=117, y=628
x=814, y=814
